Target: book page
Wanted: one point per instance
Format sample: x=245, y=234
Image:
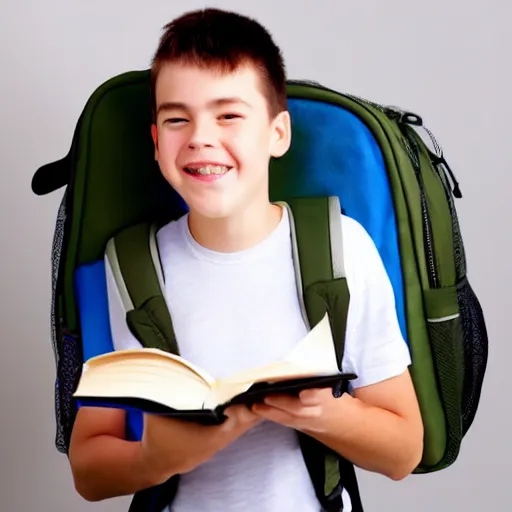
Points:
x=313, y=356
x=148, y=354
x=316, y=349
x=144, y=374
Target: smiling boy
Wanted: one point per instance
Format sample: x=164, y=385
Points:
x=220, y=114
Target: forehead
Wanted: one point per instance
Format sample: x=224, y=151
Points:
x=197, y=86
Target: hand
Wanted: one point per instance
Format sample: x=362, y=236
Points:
x=311, y=411
x=170, y=446
x=240, y=420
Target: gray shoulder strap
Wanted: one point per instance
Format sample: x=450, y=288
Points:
x=316, y=231
x=135, y=262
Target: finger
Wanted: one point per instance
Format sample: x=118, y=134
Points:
x=275, y=415
x=293, y=406
x=240, y=414
x=233, y=411
x=311, y=396
x=285, y=402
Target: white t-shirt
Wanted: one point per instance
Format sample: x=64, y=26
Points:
x=231, y=311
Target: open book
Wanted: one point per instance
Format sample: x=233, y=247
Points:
x=156, y=381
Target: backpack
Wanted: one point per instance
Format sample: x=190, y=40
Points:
x=366, y=160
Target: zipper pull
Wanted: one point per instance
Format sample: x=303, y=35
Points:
x=456, y=189
x=440, y=160
x=415, y=120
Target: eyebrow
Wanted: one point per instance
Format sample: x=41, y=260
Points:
x=175, y=105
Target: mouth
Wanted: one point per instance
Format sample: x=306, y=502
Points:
x=213, y=170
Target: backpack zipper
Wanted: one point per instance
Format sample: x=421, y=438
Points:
x=439, y=159
x=459, y=253
x=427, y=226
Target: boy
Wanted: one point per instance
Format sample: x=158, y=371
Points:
x=220, y=114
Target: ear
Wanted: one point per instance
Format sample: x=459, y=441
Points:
x=281, y=134
x=154, y=136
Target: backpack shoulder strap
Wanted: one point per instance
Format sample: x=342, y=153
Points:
x=135, y=261
x=317, y=243
x=318, y=257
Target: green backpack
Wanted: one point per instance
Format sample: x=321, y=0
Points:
x=368, y=160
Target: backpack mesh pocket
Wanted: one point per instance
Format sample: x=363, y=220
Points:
x=447, y=352
x=66, y=346
x=458, y=340
x=68, y=373
x=446, y=343
x=475, y=348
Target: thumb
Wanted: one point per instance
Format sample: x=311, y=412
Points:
x=241, y=415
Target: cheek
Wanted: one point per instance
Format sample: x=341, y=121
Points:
x=168, y=147
x=249, y=147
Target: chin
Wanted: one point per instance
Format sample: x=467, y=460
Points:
x=210, y=210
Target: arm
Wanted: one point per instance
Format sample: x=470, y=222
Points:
x=379, y=429
x=105, y=465
x=378, y=426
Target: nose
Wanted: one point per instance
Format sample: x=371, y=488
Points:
x=202, y=135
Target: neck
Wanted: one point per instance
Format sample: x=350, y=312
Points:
x=237, y=232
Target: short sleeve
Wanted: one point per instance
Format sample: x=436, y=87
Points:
x=122, y=337
x=375, y=349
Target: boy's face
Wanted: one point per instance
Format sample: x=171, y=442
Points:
x=214, y=137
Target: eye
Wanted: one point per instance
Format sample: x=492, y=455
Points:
x=230, y=117
x=175, y=120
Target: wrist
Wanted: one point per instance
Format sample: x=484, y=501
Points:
x=336, y=419
x=152, y=470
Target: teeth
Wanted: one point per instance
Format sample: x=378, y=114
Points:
x=210, y=169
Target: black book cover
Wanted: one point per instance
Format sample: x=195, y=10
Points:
x=256, y=393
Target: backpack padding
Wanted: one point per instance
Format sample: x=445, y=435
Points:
x=92, y=301
x=135, y=257
x=133, y=254
x=317, y=239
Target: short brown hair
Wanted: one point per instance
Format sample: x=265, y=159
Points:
x=226, y=40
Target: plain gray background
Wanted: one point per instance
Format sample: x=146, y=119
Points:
x=448, y=60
